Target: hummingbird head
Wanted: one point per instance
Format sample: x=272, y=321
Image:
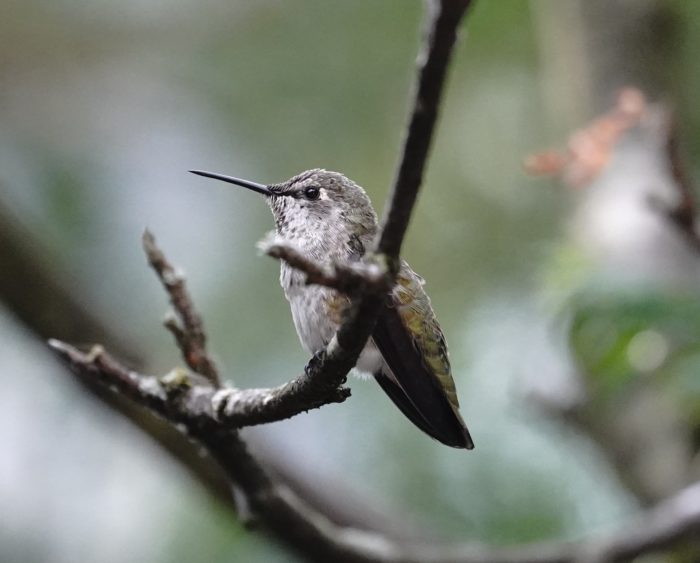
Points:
x=315, y=202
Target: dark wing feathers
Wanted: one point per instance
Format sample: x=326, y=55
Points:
x=416, y=391
x=397, y=395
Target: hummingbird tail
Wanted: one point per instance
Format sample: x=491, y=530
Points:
x=413, y=388
x=449, y=430
x=399, y=398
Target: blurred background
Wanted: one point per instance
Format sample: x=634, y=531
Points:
x=571, y=313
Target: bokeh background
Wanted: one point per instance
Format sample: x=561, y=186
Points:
x=104, y=106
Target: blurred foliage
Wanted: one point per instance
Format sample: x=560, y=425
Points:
x=622, y=339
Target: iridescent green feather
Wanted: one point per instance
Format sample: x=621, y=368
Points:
x=416, y=312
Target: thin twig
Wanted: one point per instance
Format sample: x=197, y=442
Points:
x=350, y=277
x=200, y=403
x=98, y=364
x=189, y=335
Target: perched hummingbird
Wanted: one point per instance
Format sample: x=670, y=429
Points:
x=330, y=218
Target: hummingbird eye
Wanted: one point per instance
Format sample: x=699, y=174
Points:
x=312, y=192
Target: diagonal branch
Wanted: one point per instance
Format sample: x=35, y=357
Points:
x=189, y=331
x=198, y=402
x=444, y=19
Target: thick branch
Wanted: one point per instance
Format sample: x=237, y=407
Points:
x=173, y=397
x=444, y=19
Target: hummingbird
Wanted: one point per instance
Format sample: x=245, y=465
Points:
x=327, y=216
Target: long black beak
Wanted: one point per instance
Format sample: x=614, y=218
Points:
x=260, y=188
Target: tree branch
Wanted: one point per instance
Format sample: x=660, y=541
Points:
x=350, y=277
x=440, y=35
x=189, y=332
x=37, y=293
x=174, y=397
x=197, y=401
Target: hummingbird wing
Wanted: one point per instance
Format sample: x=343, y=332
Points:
x=417, y=375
